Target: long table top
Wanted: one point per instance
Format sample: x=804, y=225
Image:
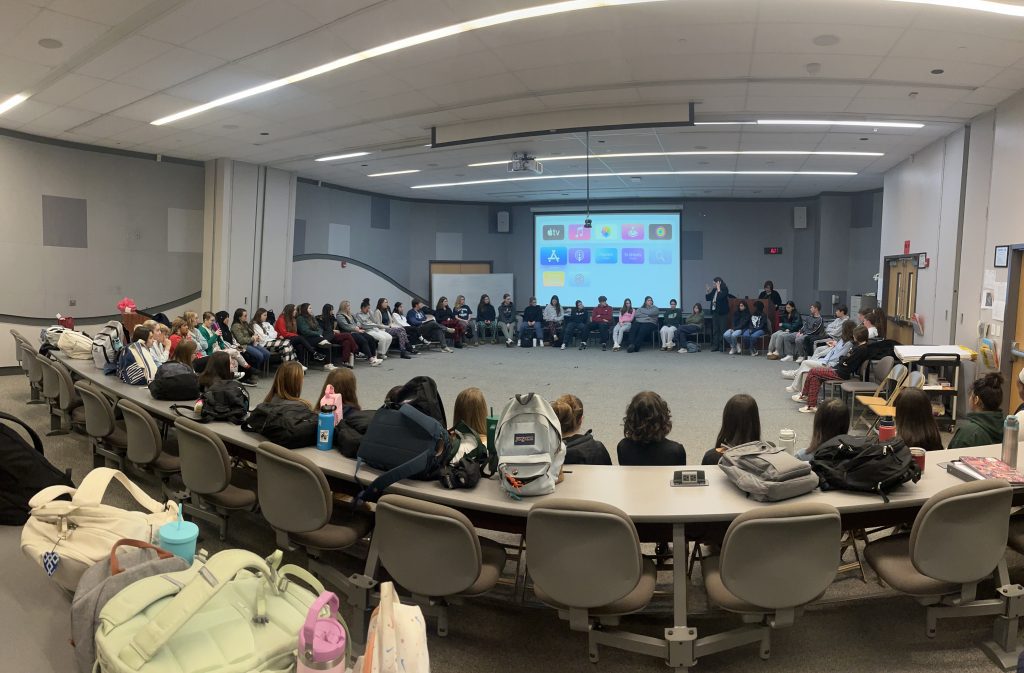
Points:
x=644, y=493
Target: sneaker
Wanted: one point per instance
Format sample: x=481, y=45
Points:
x=791, y=389
x=329, y=367
x=753, y=354
x=447, y=350
x=509, y=344
x=351, y=361
x=788, y=358
x=563, y=347
x=772, y=356
x=682, y=350
x=361, y=356
x=535, y=343
x=789, y=374
x=424, y=340
x=583, y=345
x=631, y=349
x=239, y=376
x=798, y=398
x=616, y=347
x=807, y=410
x=405, y=356
x=325, y=342
x=800, y=359
x=248, y=382
x=450, y=330
x=671, y=346
x=304, y=367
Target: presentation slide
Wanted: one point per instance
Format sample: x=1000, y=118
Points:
x=622, y=255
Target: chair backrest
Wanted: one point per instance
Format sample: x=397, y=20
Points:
x=31, y=364
x=960, y=533
x=890, y=386
x=880, y=368
x=68, y=395
x=205, y=463
x=50, y=379
x=293, y=492
x=143, y=434
x=429, y=549
x=18, y=340
x=915, y=380
x=583, y=554
x=99, y=412
x=781, y=556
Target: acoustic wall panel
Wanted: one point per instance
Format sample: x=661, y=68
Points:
x=65, y=224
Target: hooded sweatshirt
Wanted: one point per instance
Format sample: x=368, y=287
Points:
x=585, y=450
x=977, y=429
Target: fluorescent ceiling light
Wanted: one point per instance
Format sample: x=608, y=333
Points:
x=835, y=122
x=13, y=101
x=725, y=123
x=628, y=174
x=628, y=155
x=412, y=41
x=974, y=5
x=350, y=155
x=381, y=175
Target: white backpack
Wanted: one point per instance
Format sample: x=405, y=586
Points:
x=75, y=345
x=107, y=346
x=51, y=335
x=529, y=446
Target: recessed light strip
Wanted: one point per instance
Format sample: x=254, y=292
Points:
x=629, y=174
x=405, y=43
x=13, y=101
x=817, y=122
x=381, y=175
x=350, y=155
x=628, y=155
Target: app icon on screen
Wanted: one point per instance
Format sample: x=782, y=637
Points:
x=632, y=232
x=606, y=255
x=579, y=255
x=606, y=232
x=659, y=232
x=554, y=279
x=577, y=232
x=632, y=255
x=554, y=232
x=660, y=256
x=552, y=256
x=579, y=280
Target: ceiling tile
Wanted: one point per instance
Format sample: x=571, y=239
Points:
x=109, y=96
x=217, y=83
x=123, y=56
x=591, y=98
x=832, y=66
x=69, y=87
x=109, y=126
x=896, y=106
x=257, y=29
x=1010, y=78
x=17, y=75
x=807, y=89
x=720, y=104
x=172, y=67
x=964, y=21
x=900, y=92
x=16, y=15
x=304, y=52
x=446, y=71
x=839, y=12
x=75, y=33
x=797, y=105
x=966, y=110
x=787, y=38
x=556, y=77
x=987, y=95
x=107, y=12
x=389, y=21
x=27, y=112
x=919, y=70
x=651, y=68
x=197, y=17
x=58, y=121
x=486, y=89
x=959, y=47
x=156, y=106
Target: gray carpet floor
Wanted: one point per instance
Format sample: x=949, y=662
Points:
x=857, y=626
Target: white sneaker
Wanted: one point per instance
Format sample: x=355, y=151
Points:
x=798, y=398
x=376, y=362
x=329, y=367
x=325, y=342
x=239, y=375
x=304, y=367
x=563, y=347
x=446, y=349
x=801, y=359
x=753, y=353
x=788, y=358
x=616, y=347
x=682, y=350
x=671, y=345
x=424, y=340
x=789, y=373
x=791, y=389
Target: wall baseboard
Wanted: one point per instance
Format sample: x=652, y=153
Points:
x=9, y=371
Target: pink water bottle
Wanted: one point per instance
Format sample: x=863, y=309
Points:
x=322, y=639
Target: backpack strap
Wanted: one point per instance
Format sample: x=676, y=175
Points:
x=36, y=442
x=414, y=465
x=95, y=484
x=177, y=409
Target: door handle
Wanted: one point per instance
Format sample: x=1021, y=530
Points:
x=1015, y=351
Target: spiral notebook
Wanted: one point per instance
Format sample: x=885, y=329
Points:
x=972, y=468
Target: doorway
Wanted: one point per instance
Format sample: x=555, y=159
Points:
x=1012, y=356
x=900, y=297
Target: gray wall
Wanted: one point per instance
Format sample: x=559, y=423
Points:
x=119, y=226
x=837, y=253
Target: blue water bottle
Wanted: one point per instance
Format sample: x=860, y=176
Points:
x=325, y=427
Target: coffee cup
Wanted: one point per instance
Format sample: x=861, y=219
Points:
x=918, y=456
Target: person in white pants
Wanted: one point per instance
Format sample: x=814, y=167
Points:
x=829, y=358
x=673, y=318
x=621, y=327
x=365, y=320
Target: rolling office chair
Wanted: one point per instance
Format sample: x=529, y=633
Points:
x=958, y=540
x=206, y=472
x=450, y=560
x=146, y=447
x=108, y=436
x=65, y=406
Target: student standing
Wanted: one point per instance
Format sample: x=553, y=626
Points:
x=600, y=320
x=645, y=324
x=623, y=325
x=507, y=319
x=673, y=319
x=769, y=294
x=718, y=296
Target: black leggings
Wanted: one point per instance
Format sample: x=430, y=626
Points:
x=367, y=344
x=303, y=347
x=640, y=334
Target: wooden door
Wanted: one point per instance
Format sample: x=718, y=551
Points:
x=900, y=298
x=1018, y=334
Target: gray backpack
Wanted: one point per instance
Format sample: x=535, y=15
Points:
x=130, y=561
x=767, y=473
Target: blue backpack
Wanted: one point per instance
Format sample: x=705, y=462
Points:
x=132, y=366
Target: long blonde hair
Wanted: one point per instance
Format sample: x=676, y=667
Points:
x=287, y=384
x=471, y=409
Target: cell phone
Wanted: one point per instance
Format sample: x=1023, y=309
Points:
x=689, y=478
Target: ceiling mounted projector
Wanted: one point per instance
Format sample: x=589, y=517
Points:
x=524, y=163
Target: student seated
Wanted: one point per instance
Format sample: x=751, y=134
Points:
x=265, y=336
x=915, y=420
x=180, y=333
x=142, y=336
x=309, y=329
x=464, y=315
x=185, y=353
x=847, y=366
x=830, y=420
x=741, y=423
x=624, y=324
x=208, y=335
x=444, y=315
x=758, y=327
x=790, y=323
x=645, y=428
x=382, y=317
x=348, y=433
x=399, y=319
x=533, y=321
x=328, y=324
x=984, y=424
x=428, y=327
x=287, y=384
x=830, y=358
x=601, y=321
x=367, y=344
x=507, y=320
x=218, y=368
x=691, y=327
x=645, y=324
x=486, y=318
x=740, y=324
x=287, y=328
x=471, y=411
x=834, y=329
x=580, y=448
x=553, y=319
x=671, y=322
x=160, y=350
x=810, y=328
x=374, y=330
x=576, y=320
x=245, y=336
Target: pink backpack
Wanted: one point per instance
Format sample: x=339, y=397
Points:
x=332, y=398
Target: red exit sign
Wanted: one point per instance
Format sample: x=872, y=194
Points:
x=773, y=251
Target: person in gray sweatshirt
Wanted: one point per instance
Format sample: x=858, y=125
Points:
x=645, y=324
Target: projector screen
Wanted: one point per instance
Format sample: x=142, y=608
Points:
x=623, y=255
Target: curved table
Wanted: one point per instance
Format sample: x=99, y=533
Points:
x=643, y=493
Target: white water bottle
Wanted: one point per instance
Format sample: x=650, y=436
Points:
x=787, y=440
x=1011, y=435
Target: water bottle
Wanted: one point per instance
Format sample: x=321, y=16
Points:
x=325, y=427
x=1011, y=435
x=886, y=429
x=322, y=639
x=787, y=440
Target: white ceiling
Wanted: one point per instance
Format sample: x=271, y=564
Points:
x=125, y=63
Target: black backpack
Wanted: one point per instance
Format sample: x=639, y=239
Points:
x=289, y=423
x=175, y=381
x=850, y=463
x=223, y=401
x=24, y=471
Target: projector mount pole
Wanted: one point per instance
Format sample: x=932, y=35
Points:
x=588, y=174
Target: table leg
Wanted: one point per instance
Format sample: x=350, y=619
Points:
x=680, y=637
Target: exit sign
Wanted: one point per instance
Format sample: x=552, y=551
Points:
x=773, y=251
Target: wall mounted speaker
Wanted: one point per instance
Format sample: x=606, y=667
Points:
x=502, y=226
x=800, y=217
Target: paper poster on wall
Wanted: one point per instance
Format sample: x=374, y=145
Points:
x=998, y=309
x=988, y=289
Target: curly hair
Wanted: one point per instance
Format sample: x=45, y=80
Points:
x=647, y=418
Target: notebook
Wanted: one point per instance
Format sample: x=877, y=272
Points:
x=972, y=468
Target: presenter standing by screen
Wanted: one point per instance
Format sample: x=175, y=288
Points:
x=718, y=295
